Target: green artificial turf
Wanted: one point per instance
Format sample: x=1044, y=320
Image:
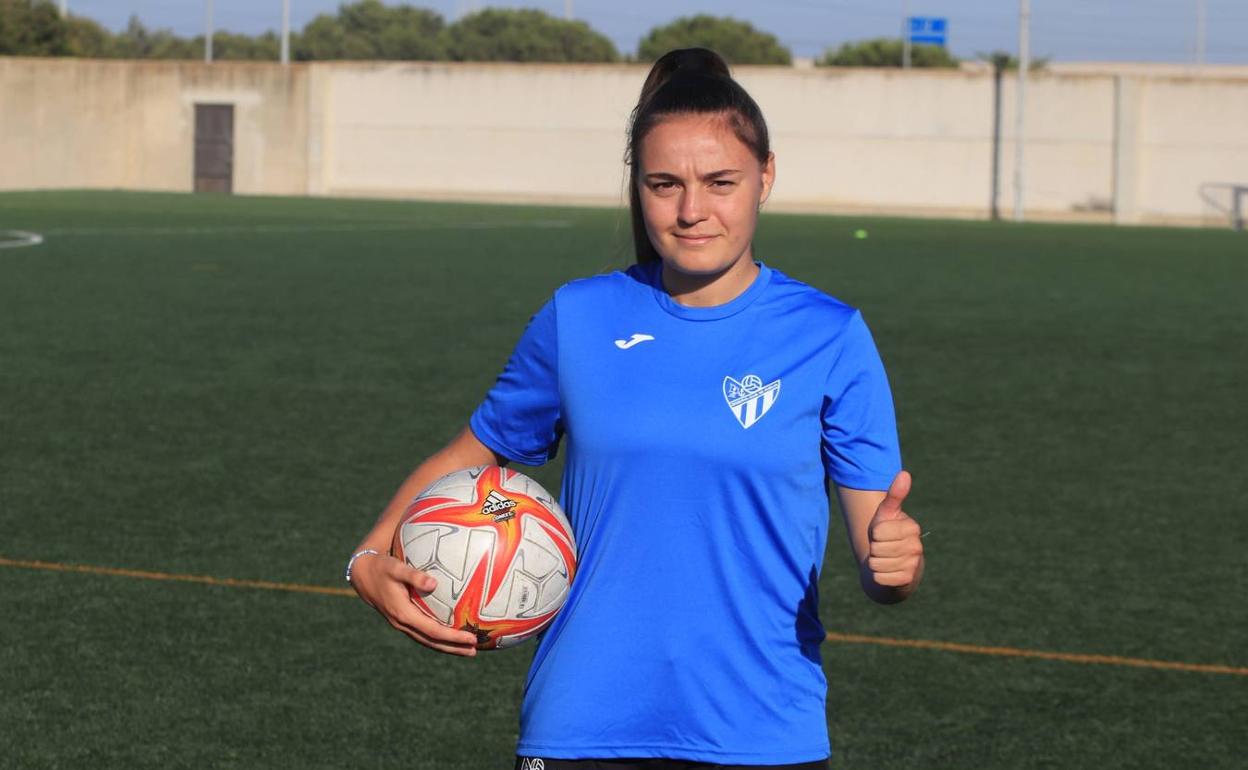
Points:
x=234, y=387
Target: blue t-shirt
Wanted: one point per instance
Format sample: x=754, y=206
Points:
x=698, y=445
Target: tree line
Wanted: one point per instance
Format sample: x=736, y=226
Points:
x=369, y=29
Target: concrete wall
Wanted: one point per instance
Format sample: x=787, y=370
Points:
x=1189, y=132
x=877, y=139
x=110, y=124
x=543, y=132
x=1130, y=146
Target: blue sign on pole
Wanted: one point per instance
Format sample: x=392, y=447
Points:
x=928, y=29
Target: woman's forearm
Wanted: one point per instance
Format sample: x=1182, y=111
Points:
x=464, y=451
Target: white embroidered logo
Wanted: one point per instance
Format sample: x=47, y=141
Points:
x=750, y=399
x=535, y=763
x=636, y=339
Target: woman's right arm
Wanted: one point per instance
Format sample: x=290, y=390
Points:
x=385, y=582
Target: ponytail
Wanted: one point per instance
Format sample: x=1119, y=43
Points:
x=683, y=82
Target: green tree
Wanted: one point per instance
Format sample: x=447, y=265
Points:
x=233, y=46
x=35, y=28
x=89, y=39
x=367, y=29
x=139, y=42
x=32, y=28
x=737, y=41
x=887, y=52
x=496, y=34
x=1007, y=61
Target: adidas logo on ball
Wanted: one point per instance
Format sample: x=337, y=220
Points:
x=498, y=506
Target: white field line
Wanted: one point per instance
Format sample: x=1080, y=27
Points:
x=14, y=239
x=94, y=232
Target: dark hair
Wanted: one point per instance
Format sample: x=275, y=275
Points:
x=681, y=82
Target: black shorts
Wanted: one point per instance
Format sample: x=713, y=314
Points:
x=535, y=763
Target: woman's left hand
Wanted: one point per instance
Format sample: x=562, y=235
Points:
x=895, y=555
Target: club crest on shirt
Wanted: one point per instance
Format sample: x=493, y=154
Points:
x=749, y=399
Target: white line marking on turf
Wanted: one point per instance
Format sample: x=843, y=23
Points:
x=15, y=239
x=540, y=224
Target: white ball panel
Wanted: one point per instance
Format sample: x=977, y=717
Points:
x=554, y=590
x=512, y=641
x=449, y=553
x=546, y=564
x=460, y=486
x=518, y=595
x=419, y=544
x=540, y=557
x=441, y=610
x=461, y=549
x=444, y=592
x=524, y=485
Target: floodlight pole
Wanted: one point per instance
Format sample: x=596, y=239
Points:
x=64, y=8
x=905, y=34
x=999, y=62
x=285, y=31
x=1200, y=33
x=208, y=31
x=567, y=9
x=1024, y=61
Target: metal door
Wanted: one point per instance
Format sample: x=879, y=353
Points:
x=214, y=148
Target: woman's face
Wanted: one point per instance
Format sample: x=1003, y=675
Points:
x=700, y=190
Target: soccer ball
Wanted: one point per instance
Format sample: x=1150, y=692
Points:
x=500, y=548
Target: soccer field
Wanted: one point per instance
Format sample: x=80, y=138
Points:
x=233, y=387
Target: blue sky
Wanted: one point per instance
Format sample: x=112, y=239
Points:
x=1071, y=30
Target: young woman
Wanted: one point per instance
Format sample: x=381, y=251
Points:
x=704, y=400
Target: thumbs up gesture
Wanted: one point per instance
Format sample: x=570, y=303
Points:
x=895, y=557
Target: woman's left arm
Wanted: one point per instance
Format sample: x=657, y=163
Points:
x=886, y=540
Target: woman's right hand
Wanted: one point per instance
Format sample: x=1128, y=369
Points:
x=385, y=583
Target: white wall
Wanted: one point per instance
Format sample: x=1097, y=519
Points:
x=1190, y=132
x=916, y=142
x=512, y=131
x=111, y=124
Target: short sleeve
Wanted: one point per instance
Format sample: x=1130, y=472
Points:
x=520, y=416
x=860, y=446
